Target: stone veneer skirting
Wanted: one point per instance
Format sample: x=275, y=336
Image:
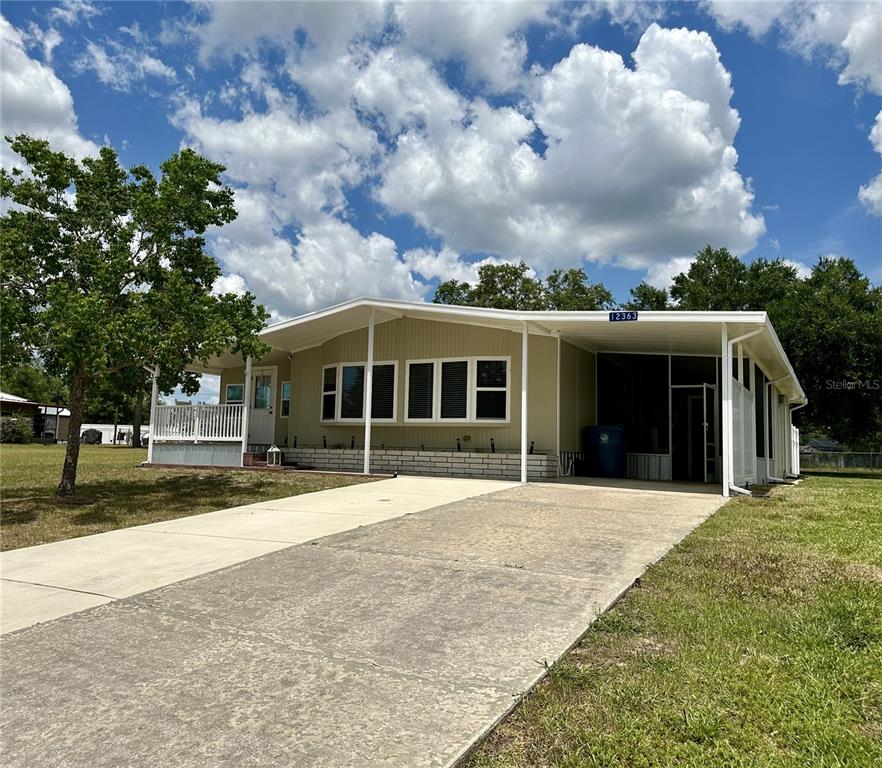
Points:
x=495, y=466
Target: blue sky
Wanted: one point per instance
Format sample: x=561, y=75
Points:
x=379, y=148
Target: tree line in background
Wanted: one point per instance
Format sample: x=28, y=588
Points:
x=830, y=323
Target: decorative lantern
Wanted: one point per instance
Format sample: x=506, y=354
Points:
x=274, y=457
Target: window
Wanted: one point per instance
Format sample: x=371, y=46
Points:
x=420, y=390
x=235, y=393
x=458, y=390
x=286, y=399
x=491, y=390
x=351, y=392
x=454, y=389
x=329, y=393
x=263, y=388
x=383, y=392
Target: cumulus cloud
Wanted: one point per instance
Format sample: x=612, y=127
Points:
x=847, y=34
x=328, y=262
x=487, y=37
x=34, y=100
x=639, y=164
x=871, y=193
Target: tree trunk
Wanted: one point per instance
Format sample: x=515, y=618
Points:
x=137, y=416
x=77, y=403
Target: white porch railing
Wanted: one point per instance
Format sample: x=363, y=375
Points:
x=215, y=423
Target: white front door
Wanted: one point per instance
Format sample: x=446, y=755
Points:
x=262, y=419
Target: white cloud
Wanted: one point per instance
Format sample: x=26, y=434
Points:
x=661, y=275
x=47, y=39
x=444, y=264
x=330, y=261
x=305, y=162
x=639, y=164
x=487, y=37
x=871, y=193
x=34, y=100
x=71, y=12
x=802, y=270
x=121, y=66
x=847, y=34
x=230, y=28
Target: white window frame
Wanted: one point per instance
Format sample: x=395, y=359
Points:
x=507, y=389
x=338, y=392
x=282, y=400
x=227, y=390
x=472, y=390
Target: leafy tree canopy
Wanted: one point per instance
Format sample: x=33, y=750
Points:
x=513, y=286
x=648, y=298
x=104, y=270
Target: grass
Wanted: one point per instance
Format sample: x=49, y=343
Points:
x=756, y=642
x=114, y=492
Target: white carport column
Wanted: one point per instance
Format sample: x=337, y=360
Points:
x=368, y=394
x=525, y=343
x=246, y=410
x=154, y=401
x=728, y=447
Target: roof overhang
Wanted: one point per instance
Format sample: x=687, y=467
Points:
x=670, y=332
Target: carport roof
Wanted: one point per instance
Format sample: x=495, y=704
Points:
x=674, y=332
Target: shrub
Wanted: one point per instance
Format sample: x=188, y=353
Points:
x=16, y=428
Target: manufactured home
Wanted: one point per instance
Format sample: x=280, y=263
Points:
x=383, y=386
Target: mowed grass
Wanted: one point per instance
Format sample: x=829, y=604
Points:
x=113, y=491
x=756, y=642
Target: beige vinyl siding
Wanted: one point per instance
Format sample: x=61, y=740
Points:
x=578, y=394
x=409, y=339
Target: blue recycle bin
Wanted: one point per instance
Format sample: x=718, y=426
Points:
x=604, y=448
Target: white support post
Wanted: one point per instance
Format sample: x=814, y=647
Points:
x=368, y=393
x=154, y=400
x=740, y=375
x=525, y=343
x=726, y=386
x=557, y=410
x=246, y=402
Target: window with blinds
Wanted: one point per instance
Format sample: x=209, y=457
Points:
x=383, y=392
x=352, y=392
x=420, y=390
x=454, y=389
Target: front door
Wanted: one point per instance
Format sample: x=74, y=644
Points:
x=262, y=419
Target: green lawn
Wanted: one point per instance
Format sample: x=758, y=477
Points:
x=756, y=642
x=114, y=492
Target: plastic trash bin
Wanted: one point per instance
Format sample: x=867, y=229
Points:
x=605, y=448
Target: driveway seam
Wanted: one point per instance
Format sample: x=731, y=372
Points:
x=55, y=586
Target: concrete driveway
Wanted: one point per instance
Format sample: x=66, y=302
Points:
x=394, y=644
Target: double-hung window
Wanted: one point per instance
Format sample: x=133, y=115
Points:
x=491, y=389
x=329, y=393
x=286, y=399
x=452, y=390
x=343, y=392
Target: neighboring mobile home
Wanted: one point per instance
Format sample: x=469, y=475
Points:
x=471, y=392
